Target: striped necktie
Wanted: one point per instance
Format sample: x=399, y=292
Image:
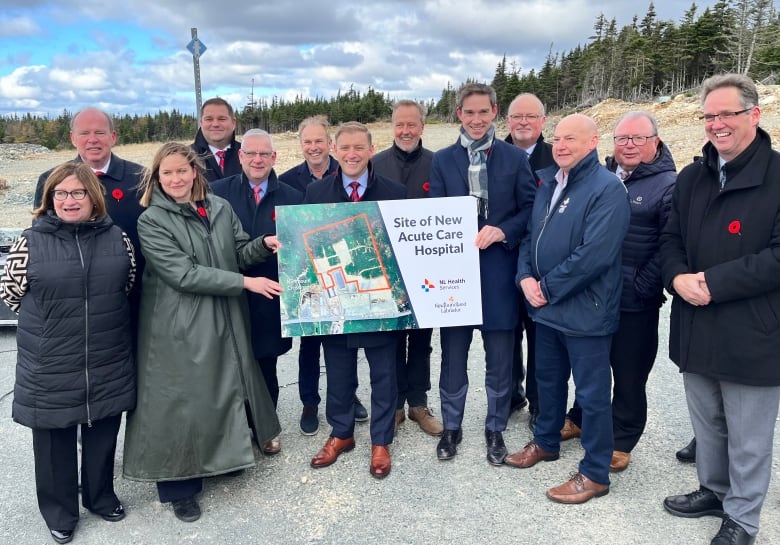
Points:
x=354, y=196
x=257, y=190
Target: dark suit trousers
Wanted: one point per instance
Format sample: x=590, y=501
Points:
x=525, y=323
x=56, y=471
x=454, y=380
x=634, y=347
x=341, y=366
x=413, y=367
x=309, y=370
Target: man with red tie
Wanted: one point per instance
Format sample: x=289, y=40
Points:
x=354, y=181
x=254, y=194
x=216, y=140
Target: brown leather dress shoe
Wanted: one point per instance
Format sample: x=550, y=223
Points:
x=400, y=416
x=330, y=452
x=578, y=489
x=380, y=461
x=619, y=461
x=428, y=423
x=570, y=430
x=530, y=456
x=272, y=446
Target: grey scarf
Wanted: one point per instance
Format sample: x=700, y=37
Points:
x=478, y=177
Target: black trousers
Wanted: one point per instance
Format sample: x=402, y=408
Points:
x=178, y=490
x=525, y=323
x=268, y=369
x=632, y=356
x=413, y=367
x=56, y=471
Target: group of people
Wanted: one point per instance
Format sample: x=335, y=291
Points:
x=155, y=292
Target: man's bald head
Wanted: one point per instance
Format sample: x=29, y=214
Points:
x=575, y=137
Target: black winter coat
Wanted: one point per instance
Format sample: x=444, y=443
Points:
x=413, y=169
x=75, y=361
x=259, y=220
x=733, y=236
x=650, y=194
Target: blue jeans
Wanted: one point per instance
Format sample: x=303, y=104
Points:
x=587, y=359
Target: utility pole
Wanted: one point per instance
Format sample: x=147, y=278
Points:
x=197, y=48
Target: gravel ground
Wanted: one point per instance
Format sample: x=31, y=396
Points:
x=422, y=502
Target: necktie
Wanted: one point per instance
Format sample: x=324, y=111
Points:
x=257, y=189
x=722, y=177
x=99, y=173
x=354, y=196
x=221, y=159
x=624, y=174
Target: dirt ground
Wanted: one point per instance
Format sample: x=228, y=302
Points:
x=677, y=119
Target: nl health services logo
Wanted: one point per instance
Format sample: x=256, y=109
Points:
x=427, y=285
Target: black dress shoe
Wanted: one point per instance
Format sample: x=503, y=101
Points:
x=496, y=449
x=186, y=510
x=731, y=533
x=699, y=503
x=447, y=447
x=116, y=515
x=687, y=454
x=61, y=536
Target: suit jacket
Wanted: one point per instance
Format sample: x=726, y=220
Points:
x=213, y=172
x=260, y=220
x=541, y=157
x=299, y=176
x=379, y=188
x=511, y=189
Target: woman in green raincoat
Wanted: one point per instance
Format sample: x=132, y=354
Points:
x=201, y=395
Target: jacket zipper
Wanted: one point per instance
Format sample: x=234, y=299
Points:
x=547, y=217
x=86, y=327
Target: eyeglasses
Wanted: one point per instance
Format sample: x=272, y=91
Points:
x=61, y=194
x=524, y=117
x=637, y=140
x=252, y=154
x=709, y=118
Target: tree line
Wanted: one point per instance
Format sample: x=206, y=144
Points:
x=647, y=58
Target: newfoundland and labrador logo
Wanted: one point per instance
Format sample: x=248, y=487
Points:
x=450, y=306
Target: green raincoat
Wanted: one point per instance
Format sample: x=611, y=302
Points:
x=196, y=372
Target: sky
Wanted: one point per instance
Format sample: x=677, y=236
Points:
x=130, y=57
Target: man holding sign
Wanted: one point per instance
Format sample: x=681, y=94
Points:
x=499, y=178
x=356, y=181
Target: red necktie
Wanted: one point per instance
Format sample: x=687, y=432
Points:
x=354, y=196
x=257, y=189
x=99, y=173
x=221, y=159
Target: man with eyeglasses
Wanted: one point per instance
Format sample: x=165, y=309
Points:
x=720, y=256
x=525, y=120
x=647, y=169
x=216, y=141
x=500, y=180
x=254, y=194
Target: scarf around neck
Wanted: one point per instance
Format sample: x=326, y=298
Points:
x=477, y=174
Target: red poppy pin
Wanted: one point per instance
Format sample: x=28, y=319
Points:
x=202, y=211
x=539, y=182
x=273, y=215
x=118, y=194
x=735, y=227
x=426, y=186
